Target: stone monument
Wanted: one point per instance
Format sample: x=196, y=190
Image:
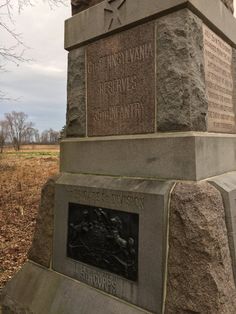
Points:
x=144, y=216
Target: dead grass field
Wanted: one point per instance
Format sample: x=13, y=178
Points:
x=33, y=148
x=22, y=175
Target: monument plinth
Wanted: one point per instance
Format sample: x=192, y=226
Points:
x=144, y=216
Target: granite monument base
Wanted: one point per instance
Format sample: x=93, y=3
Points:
x=193, y=253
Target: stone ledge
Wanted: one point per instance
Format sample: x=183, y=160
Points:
x=37, y=290
x=180, y=156
x=80, y=5
x=90, y=27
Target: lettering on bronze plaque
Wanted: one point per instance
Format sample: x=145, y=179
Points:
x=219, y=83
x=121, y=83
x=104, y=238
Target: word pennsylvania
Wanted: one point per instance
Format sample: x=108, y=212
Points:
x=131, y=55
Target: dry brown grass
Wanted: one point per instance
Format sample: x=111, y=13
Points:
x=21, y=178
x=33, y=147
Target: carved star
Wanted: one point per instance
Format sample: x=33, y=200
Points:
x=113, y=7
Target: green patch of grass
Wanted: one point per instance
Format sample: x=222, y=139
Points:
x=32, y=154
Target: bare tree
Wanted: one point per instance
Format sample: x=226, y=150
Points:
x=37, y=136
x=44, y=137
x=4, y=132
x=14, y=52
x=53, y=136
x=50, y=136
x=30, y=136
x=19, y=127
x=62, y=133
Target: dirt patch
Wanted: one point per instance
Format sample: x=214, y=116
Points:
x=21, y=179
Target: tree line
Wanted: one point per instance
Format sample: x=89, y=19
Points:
x=17, y=130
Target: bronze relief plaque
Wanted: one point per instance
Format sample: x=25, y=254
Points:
x=104, y=238
x=121, y=83
x=219, y=83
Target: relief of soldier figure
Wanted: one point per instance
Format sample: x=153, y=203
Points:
x=100, y=239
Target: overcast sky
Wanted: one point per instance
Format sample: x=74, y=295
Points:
x=40, y=85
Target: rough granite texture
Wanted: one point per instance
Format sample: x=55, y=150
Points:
x=181, y=97
x=76, y=104
x=80, y=5
x=200, y=277
x=41, y=249
x=226, y=184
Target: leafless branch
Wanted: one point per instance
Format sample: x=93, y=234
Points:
x=14, y=53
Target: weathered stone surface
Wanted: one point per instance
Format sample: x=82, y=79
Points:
x=14, y=308
x=234, y=77
x=121, y=83
x=131, y=12
x=76, y=105
x=200, y=277
x=226, y=184
x=41, y=249
x=36, y=290
x=146, y=198
x=181, y=97
x=219, y=83
x=176, y=155
x=229, y=4
x=80, y=5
